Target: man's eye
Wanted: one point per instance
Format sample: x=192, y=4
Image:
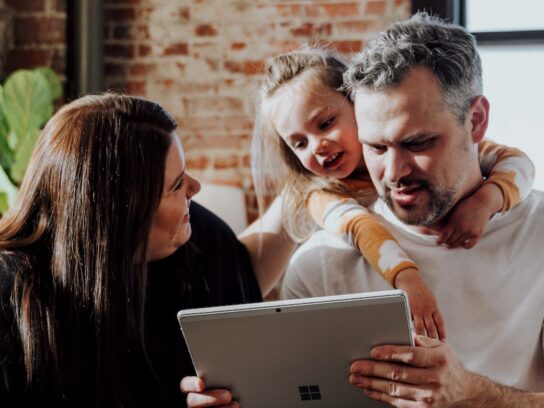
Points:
x=420, y=145
x=327, y=123
x=378, y=149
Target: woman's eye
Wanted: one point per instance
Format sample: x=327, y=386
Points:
x=180, y=183
x=327, y=123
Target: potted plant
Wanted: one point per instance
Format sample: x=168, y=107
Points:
x=26, y=103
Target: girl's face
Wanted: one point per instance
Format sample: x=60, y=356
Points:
x=171, y=225
x=318, y=124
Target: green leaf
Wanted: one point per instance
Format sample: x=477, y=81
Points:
x=7, y=189
x=4, y=206
x=27, y=103
x=55, y=84
x=22, y=156
x=6, y=154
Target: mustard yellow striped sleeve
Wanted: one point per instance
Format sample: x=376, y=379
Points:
x=508, y=168
x=345, y=218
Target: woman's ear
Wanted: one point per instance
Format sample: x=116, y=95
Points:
x=478, y=115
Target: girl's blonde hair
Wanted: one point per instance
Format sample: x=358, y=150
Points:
x=276, y=169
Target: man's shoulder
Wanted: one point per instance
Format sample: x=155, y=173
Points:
x=532, y=207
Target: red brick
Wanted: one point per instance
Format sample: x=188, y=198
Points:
x=184, y=14
x=348, y=46
x=115, y=70
x=142, y=69
x=309, y=29
x=280, y=46
x=177, y=49
x=197, y=163
x=58, y=60
x=119, y=50
x=27, y=58
x=43, y=30
x=213, y=105
x=58, y=5
x=228, y=162
x=26, y=5
x=205, y=30
x=137, y=88
x=238, y=46
x=290, y=11
x=340, y=9
x=355, y=27
x=144, y=50
x=376, y=7
x=245, y=67
x=120, y=14
x=130, y=32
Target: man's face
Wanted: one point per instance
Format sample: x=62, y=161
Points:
x=420, y=158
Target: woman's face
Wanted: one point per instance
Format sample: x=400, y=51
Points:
x=171, y=225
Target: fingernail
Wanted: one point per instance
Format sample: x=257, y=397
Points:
x=375, y=353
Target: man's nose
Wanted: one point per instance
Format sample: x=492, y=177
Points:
x=397, y=165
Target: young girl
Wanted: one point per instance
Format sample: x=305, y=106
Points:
x=306, y=145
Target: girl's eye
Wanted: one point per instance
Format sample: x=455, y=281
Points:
x=327, y=123
x=299, y=144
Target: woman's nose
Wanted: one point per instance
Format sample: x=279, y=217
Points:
x=194, y=186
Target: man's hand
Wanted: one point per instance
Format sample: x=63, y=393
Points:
x=427, y=375
x=197, y=396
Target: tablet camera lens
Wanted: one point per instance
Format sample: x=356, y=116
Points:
x=278, y=310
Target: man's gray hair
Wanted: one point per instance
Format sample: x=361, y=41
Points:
x=448, y=50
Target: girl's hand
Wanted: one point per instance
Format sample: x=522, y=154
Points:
x=425, y=314
x=469, y=217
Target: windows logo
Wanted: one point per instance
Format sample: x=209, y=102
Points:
x=309, y=392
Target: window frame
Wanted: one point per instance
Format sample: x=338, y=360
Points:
x=455, y=11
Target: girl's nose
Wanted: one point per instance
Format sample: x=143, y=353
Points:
x=322, y=146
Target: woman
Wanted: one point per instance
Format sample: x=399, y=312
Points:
x=95, y=261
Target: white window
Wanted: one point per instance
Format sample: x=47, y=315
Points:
x=511, y=44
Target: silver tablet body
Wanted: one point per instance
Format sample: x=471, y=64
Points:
x=294, y=353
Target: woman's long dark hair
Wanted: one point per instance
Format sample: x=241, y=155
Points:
x=81, y=221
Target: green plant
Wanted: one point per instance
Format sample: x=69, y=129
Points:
x=26, y=103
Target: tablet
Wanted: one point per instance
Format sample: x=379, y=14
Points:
x=294, y=353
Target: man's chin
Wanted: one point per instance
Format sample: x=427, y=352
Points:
x=414, y=214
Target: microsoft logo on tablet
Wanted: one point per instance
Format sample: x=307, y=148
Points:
x=309, y=392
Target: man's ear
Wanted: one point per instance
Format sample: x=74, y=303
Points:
x=478, y=115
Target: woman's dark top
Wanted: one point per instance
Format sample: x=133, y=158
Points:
x=212, y=269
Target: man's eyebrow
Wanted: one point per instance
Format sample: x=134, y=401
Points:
x=176, y=181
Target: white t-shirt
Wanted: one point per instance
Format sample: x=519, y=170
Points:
x=491, y=296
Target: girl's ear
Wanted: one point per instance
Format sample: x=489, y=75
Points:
x=478, y=115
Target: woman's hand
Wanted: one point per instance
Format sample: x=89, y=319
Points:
x=198, y=396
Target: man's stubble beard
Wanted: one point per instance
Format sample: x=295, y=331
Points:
x=441, y=201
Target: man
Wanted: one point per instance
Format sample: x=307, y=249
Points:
x=420, y=111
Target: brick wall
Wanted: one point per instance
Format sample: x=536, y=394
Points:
x=38, y=35
x=201, y=60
